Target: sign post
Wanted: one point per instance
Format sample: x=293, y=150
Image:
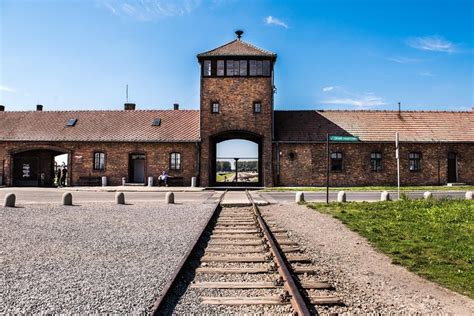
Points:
x=327, y=169
x=397, y=156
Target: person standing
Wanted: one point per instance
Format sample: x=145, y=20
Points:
x=58, y=177
x=63, y=176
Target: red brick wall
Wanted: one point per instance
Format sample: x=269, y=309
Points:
x=117, y=157
x=236, y=97
x=308, y=168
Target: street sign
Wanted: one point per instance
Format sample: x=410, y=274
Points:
x=335, y=138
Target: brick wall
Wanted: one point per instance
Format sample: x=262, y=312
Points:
x=117, y=158
x=308, y=168
x=236, y=97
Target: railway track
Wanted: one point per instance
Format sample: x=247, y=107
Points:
x=246, y=264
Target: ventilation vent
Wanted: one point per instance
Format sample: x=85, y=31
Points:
x=71, y=122
x=156, y=122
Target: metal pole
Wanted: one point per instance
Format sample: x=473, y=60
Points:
x=327, y=169
x=397, y=155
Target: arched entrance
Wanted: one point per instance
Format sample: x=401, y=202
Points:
x=236, y=159
x=38, y=166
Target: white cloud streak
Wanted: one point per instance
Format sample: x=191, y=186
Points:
x=270, y=20
x=426, y=74
x=360, y=101
x=432, y=43
x=149, y=10
x=404, y=60
x=327, y=89
x=7, y=89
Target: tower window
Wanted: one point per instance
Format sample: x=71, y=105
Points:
x=253, y=68
x=376, y=161
x=414, y=161
x=215, y=107
x=336, y=161
x=207, y=68
x=259, y=68
x=266, y=68
x=220, y=67
x=257, y=107
x=243, y=68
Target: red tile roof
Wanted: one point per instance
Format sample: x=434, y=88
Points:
x=375, y=126
x=237, y=48
x=116, y=126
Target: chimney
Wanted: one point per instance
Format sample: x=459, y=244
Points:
x=129, y=106
x=39, y=107
x=2, y=108
x=176, y=106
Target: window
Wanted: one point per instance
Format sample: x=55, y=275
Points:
x=243, y=68
x=414, y=161
x=71, y=122
x=230, y=68
x=253, y=67
x=259, y=68
x=207, y=68
x=257, y=107
x=376, y=161
x=99, y=161
x=220, y=67
x=175, y=161
x=215, y=107
x=336, y=161
x=156, y=122
x=266, y=68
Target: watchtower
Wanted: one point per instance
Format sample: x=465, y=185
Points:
x=236, y=103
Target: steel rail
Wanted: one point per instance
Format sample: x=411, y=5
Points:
x=296, y=299
x=166, y=292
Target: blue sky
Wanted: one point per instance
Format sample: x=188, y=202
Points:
x=331, y=54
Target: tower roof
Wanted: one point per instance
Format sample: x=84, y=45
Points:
x=237, y=48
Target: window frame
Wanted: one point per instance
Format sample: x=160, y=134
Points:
x=218, y=107
x=377, y=161
x=335, y=159
x=94, y=160
x=416, y=161
x=255, y=103
x=175, y=161
x=205, y=70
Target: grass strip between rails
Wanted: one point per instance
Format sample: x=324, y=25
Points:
x=433, y=238
x=373, y=188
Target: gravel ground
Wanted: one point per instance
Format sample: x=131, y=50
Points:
x=366, y=280
x=93, y=258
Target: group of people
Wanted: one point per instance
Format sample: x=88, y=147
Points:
x=61, y=176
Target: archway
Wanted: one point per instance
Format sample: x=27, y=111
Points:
x=236, y=159
x=39, y=166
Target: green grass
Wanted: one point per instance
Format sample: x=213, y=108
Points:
x=220, y=176
x=375, y=188
x=433, y=238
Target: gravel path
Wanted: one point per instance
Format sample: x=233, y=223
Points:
x=367, y=279
x=94, y=258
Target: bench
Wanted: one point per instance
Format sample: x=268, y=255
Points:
x=90, y=181
x=175, y=181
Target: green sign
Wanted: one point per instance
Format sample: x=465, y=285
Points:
x=334, y=138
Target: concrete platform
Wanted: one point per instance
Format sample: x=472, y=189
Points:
x=138, y=188
x=239, y=198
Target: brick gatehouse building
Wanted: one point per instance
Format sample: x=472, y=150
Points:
x=236, y=102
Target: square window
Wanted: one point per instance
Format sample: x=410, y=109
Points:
x=215, y=107
x=207, y=68
x=376, y=161
x=414, y=161
x=266, y=68
x=253, y=68
x=230, y=68
x=336, y=161
x=257, y=107
x=220, y=67
x=243, y=68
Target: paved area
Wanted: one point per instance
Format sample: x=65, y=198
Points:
x=289, y=196
x=53, y=195
x=98, y=258
x=133, y=188
x=239, y=198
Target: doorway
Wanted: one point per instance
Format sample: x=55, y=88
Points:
x=137, y=168
x=452, y=168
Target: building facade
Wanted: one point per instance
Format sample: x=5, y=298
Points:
x=236, y=102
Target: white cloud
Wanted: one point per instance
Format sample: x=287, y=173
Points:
x=7, y=89
x=404, y=60
x=426, y=74
x=149, y=10
x=274, y=21
x=432, y=43
x=327, y=89
x=361, y=101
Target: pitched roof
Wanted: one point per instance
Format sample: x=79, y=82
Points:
x=115, y=126
x=375, y=126
x=237, y=48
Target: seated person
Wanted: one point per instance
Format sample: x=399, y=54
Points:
x=163, y=179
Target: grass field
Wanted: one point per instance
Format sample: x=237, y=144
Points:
x=375, y=188
x=220, y=176
x=434, y=239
